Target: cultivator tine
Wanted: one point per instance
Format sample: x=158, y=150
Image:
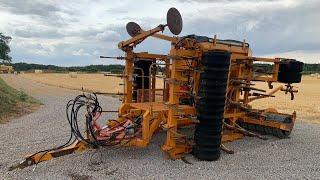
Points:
x=225, y=149
x=185, y=160
x=244, y=131
x=251, y=134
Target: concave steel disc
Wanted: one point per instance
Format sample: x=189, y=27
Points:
x=133, y=29
x=174, y=21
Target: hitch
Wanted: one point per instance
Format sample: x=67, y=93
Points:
x=34, y=159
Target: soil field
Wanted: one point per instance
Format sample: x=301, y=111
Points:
x=306, y=101
x=89, y=82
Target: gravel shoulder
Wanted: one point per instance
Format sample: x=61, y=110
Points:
x=293, y=158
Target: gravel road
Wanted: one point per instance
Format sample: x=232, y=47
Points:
x=295, y=158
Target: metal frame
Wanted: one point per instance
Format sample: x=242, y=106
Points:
x=169, y=114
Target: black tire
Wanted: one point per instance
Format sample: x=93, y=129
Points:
x=210, y=117
x=221, y=75
x=211, y=90
x=216, y=58
x=207, y=98
x=206, y=111
x=212, y=83
x=289, y=77
x=207, y=155
x=209, y=141
x=208, y=61
x=290, y=65
x=204, y=130
x=210, y=107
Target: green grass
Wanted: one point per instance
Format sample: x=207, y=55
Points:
x=14, y=103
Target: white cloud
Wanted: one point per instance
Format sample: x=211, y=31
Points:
x=109, y=36
x=306, y=56
x=77, y=32
x=80, y=52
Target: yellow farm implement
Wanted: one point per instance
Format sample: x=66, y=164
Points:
x=207, y=86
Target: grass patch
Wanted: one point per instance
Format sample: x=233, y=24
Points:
x=15, y=103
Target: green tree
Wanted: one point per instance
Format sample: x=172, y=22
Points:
x=5, y=49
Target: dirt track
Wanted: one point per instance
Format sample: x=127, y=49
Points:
x=294, y=158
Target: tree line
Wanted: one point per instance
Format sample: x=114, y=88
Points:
x=114, y=68
x=307, y=68
x=311, y=68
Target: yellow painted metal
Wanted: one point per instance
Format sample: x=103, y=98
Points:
x=169, y=111
x=231, y=136
x=128, y=77
x=168, y=114
x=77, y=146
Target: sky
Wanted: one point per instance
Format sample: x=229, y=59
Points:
x=77, y=32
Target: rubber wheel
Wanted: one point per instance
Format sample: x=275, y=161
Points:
x=215, y=76
x=207, y=155
x=206, y=131
x=290, y=65
x=289, y=77
x=208, y=143
x=210, y=107
x=212, y=84
x=206, y=111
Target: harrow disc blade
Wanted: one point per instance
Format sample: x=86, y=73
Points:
x=133, y=29
x=174, y=21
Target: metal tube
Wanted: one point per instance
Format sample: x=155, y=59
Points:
x=142, y=72
x=150, y=80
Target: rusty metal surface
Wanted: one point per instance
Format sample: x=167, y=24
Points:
x=174, y=21
x=133, y=29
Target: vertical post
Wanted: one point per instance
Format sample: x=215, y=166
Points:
x=128, y=76
x=154, y=82
x=276, y=69
x=173, y=101
x=165, y=85
x=146, y=126
x=250, y=73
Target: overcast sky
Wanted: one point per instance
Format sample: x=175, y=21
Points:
x=77, y=32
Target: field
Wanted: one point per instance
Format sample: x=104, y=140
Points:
x=306, y=101
x=89, y=82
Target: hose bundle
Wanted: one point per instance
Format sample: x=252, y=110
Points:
x=92, y=135
x=93, y=110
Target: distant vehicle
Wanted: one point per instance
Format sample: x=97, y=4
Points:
x=6, y=69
